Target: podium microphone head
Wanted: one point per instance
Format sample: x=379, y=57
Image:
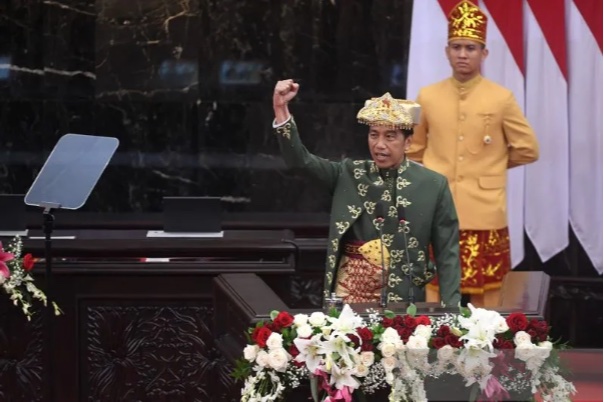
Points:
x=380, y=211
x=400, y=211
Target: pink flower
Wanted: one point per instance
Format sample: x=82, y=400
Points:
x=4, y=258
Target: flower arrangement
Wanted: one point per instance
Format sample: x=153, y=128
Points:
x=341, y=354
x=15, y=278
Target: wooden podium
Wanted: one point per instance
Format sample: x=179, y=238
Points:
x=241, y=300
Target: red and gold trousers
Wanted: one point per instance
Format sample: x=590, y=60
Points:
x=485, y=259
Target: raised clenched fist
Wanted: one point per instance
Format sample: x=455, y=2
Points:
x=285, y=91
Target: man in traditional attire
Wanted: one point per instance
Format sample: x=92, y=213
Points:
x=472, y=130
x=385, y=212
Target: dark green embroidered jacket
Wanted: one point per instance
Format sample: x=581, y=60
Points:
x=357, y=187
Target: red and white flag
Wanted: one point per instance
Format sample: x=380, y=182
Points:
x=547, y=181
x=505, y=66
x=584, y=38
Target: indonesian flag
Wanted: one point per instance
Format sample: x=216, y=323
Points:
x=547, y=180
x=428, y=62
x=505, y=66
x=584, y=36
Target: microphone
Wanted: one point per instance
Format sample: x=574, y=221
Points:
x=400, y=210
x=379, y=217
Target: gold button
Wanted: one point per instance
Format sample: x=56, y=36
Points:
x=461, y=158
x=461, y=138
x=462, y=117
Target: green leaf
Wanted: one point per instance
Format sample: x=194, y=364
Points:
x=412, y=310
x=274, y=314
x=242, y=370
x=474, y=392
x=314, y=388
x=389, y=314
x=333, y=312
x=465, y=312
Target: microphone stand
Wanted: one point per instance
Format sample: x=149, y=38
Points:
x=383, y=295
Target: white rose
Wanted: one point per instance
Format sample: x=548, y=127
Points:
x=275, y=341
x=521, y=337
x=417, y=342
x=317, y=319
x=367, y=358
x=304, y=331
x=361, y=370
x=424, y=331
x=262, y=358
x=250, y=352
x=390, y=335
x=277, y=359
x=445, y=353
x=300, y=319
x=388, y=349
x=501, y=326
x=389, y=363
x=525, y=351
x=546, y=345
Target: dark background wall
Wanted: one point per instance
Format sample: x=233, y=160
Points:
x=186, y=86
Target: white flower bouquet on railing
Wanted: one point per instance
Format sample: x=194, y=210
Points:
x=340, y=356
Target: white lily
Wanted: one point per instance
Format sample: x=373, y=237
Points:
x=309, y=352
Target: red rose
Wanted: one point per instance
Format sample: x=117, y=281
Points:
x=409, y=322
x=517, y=322
x=387, y=322
x=284, y=319
x=355, y=340
x=367, y=346
x=398, y=320
x=28, y=262
x=443, y=331
x=404, y=333
x=293, y=350
x=438, y=343
x=365, y=334
x=423, y=320
x=453, y=341
x=539, y=326
x=273, y=326
x=261, y=335
x=500, y=343
x=532, y=333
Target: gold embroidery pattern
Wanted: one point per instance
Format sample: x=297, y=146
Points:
x=394, y=298
x=362, y=189
x=378, y=182
x=386, y=196
x=394, y=280
x=392, y=211
x=402, y=183
x=485, y=259
x=403, y=166
x=404, y=228
x=358, y=162
x=355, y=212
x=285, y=130
x=369, y=206
x=358, y=280
x=396, y=255
x=402, y=201
x=387, y=239
x=358, y=173
x=342, y=227
x=466, y=20
x=334, y=245
x=421, y=255
x=332, y=261
x=373, y=167
x=413, y=243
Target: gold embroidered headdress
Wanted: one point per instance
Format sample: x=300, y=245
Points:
x=389, y=112
x=467, y=21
